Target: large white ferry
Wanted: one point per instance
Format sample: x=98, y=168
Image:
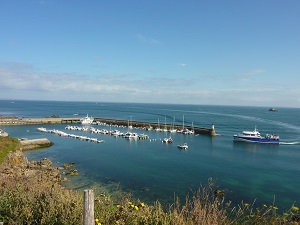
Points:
x=87, y=120
x=254, y=136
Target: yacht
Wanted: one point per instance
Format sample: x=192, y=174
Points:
x=184, y=146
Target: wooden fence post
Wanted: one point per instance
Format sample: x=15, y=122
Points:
x=88, y=211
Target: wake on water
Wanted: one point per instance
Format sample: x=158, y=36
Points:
x=290, y=143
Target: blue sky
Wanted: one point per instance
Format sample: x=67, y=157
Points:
x=213, y=52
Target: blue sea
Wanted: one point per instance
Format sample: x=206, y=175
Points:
x=151, y=170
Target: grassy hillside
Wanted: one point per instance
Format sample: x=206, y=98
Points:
x=8, y=144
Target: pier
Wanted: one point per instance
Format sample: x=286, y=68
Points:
x=28, y=121
x=137, y=124
x=35, y=143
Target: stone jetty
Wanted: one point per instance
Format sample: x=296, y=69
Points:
x=35, y=143
x=27, y=121
x=198, y=130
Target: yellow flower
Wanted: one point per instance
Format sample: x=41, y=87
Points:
x=97, y=220
x=295, y=208
x=130, y=203
x=117, y=222
x=246, y=204
x=142, y=204
x=136, y=208
x=118, y=206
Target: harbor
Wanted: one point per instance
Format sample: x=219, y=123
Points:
x=152, y=169
x=9, y=121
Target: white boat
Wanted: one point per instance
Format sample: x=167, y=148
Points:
x=172, y=129
x=87, y=120
x=131, y=135
x=254, y=136
x=116, y=133
x=42, y=129
x=158, y=127
x=143, y=136
x=168, y=140
x=184, y=146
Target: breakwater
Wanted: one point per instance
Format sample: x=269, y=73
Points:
x=136, y=124
x=27, y=121
x=35, y=143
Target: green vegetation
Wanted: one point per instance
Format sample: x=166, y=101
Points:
x=7, y=144
x=28, y=197
x=204, y=207
x=38, y=201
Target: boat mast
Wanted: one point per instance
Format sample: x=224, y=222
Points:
x=165, y=123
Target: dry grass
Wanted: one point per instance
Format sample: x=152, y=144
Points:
x=33, y=195
x=39, y=202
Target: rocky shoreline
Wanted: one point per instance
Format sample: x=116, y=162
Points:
x=32, y=192
x=18, y=166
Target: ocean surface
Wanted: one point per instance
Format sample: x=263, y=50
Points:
x=151, y=170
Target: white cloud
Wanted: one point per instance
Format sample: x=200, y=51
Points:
x=147, y=40
x=22, y=81
x=254, y=72
x=71, y=86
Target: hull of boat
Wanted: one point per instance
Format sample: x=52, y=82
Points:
x=256, y=140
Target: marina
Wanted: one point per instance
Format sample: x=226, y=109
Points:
x=89, y=120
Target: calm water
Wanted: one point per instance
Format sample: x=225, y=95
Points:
x=151, y=170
